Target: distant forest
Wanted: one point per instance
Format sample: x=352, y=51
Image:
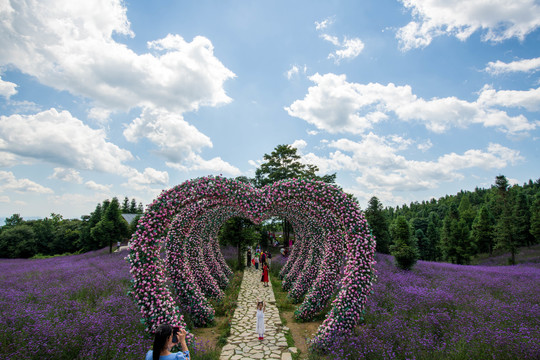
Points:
x=457, y=227
x=453, y=228
x=55, y=235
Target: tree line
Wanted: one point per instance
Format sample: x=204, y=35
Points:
x=455, y=228
x=55, y=235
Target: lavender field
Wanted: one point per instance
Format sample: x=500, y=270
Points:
x=76, y=307
x=445, y=311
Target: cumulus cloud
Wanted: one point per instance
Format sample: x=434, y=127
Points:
x=9, y=182
x=60, y=138
x=498, y=20
x=524, y=65
x=337, y=106
x=92, y=185
x=99, y=114
x=69, y=45
x=68, y=175
x=7, y=88
x=299, y=144
x=175, y=138
x=215, y=165
x=383, y=169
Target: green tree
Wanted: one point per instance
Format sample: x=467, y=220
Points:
x=112, y=227
x=466, y=212
x=423, y=244
x=482, y=232
x=14, y=220
x=522, y=220
x=404, y=249
x=535, y=218
x=284, y=163
x=505, y=228
x=378, y=224
x=433, y=236
x=455, y=238
x=125, y=205
x=87, y=241
x=133, y=207
x=238, y=232
x=17, y=242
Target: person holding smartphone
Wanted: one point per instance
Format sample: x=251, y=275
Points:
x=165, y=339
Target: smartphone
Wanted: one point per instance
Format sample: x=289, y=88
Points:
x=175, y=335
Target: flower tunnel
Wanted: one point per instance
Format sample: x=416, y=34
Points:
x=332, y=259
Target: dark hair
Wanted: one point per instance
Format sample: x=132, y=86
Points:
x=162, y=334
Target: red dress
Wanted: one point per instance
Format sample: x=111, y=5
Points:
x=265, y=274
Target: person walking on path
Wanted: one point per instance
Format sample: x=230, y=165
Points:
x=264, y=277
x=269, y=259
x=261, y=306
x=256, y=263
x=262, y=260
x=249, y=258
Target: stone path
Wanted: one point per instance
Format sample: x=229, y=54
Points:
x=243, y=343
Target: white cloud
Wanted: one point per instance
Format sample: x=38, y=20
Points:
x=350, y=48
x=497, y=19
x=335, y=105
x=299, y=144
x=382, y=169
x=60, y=138
x=68, y=175
x=7, y=88
x=177, y=139
x=292, y=71
x=69, y=45
x=92, y=185
x=425, y=146
x=524, y=65
x=324, y=24
x=295, y=70
x=99, y=114
x=528, y=99
x=4, y=199
x=215, y=165
x=142, y=181
x=8, y=181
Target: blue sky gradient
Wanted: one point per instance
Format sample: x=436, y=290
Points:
x=404, y=100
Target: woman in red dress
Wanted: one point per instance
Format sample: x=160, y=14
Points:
x=264, y=277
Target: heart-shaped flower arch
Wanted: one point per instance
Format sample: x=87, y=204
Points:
x=333, y=253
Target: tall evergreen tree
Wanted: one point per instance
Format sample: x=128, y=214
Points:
x=112, y=227
x=378, y=224
x=535, y=218
x=455, y=238
x=404, y=249
x=505, y=228
x=482, y=232
x=125, y=205
x=522, y=220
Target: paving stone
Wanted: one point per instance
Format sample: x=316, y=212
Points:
x=243, y=342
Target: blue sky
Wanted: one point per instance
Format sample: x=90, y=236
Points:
x=404, y=100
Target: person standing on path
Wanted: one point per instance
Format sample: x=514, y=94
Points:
x=264, y=277
x=256, y=263
x=262, y=260
x=269, y=259
x=261, y=306
x=249, y=258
